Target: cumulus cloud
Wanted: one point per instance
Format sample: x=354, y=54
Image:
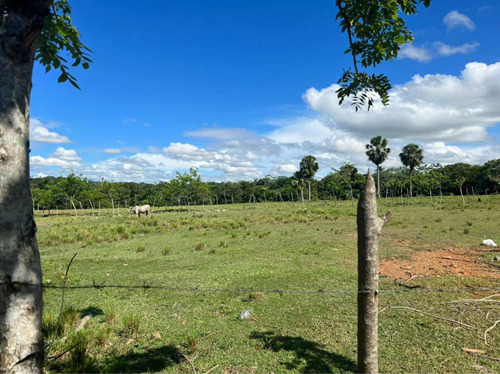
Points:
x=237, y=140
x=456, y=19
x=184, y=151
x=63, y=158
x=288, y=168
x=41, y=134
x=428, y=108
x=449, y=116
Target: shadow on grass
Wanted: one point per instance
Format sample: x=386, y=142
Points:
x=311, y=357
x=151, y=360
x=92, y=311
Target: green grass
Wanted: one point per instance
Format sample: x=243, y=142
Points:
x=268, y=247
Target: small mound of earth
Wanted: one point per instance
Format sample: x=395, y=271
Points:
x=457, y=262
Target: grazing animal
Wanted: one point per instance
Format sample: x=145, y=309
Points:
x=138, y=209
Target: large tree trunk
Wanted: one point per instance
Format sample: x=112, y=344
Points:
x=21, y=339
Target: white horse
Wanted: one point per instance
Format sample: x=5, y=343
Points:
x=138, y=209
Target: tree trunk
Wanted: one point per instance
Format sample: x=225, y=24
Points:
x=74, y=206
x=112, y=202
x=309, y=186
x=92, y=207
x=21, y=339
x=411, y=184
x=369, y=229
x=461, y=194
x=378, y=181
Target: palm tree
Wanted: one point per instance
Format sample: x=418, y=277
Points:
x=411, y=157
x=308, y=167
x=377, y=152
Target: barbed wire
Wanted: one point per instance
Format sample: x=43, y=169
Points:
x=279, y=291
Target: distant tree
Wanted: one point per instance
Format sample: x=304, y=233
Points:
x=109, y=190
x=411, y=157
x=348, y=174
x=308, y=168
x=377, y=152
x=459, y=182
x=298, y=182
x=70, y=188
x=492, y=171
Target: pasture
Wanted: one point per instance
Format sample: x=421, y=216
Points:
x=293, y=265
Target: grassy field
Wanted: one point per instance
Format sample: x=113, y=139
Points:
x=201, y=258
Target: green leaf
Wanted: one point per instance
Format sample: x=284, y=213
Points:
x=62, y=78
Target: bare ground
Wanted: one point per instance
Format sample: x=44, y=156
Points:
x=464, y=262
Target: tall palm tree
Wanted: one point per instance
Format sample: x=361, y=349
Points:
x=377, y=152
x=308, y=167
x=411, y=157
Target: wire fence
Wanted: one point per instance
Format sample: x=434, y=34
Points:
x=280, y=291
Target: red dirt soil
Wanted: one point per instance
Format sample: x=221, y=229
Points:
x=462, y=262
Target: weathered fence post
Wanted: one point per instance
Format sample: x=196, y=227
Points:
x=369, y=228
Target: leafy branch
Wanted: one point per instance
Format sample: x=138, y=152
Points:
x=375, y=31
x=61, y=38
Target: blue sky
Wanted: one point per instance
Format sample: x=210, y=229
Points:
x=243, y=89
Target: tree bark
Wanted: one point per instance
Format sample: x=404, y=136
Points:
x=21, y=339
x=378, y=181
x=73, y=205
x=369, y=229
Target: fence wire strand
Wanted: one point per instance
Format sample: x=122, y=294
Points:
x=249, y=290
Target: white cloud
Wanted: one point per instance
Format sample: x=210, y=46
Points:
x=63, y=158
x=412, y=52
x=112, y=151
x=288, y=168
x=439, y=152
x=443, y=49
x=117, y=151
x=237, y=140
x=184, y=151
x=456, y=19
x=40, y=133
x=429, y=108
x=449, y=116
x=426, y=53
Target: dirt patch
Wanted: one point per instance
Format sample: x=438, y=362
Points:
x=458, y=262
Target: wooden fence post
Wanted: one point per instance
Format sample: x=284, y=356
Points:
x=369, y=228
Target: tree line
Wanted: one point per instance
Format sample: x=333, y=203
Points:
x=187, y=189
